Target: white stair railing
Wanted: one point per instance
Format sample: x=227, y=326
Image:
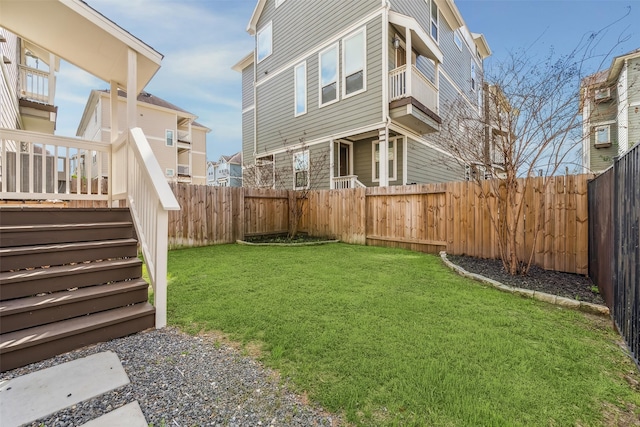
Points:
x=150, y=199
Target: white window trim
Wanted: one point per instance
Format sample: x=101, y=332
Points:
x=606, y=97
x=169, y=172
x=364, y=64
x=173, y=137
x=295, y=90
x=474, y=77
x=394, y=177
x=279, y=2
x=457, y=39
x=335, y=46
x=293, y=166
x=606, y=125
x=270, y=26
x=431, y=3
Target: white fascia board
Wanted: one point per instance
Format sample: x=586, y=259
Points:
x=243, y=63
x=253, y=22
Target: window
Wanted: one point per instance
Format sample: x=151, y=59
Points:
x=169, y=137
x=279, y=2
x=300, y=89
x=457, y=39
x=169, y=172
x=473, y=76
x=603, y=137
x=434, y=20
x=329, y=75
x=301, y=170
x=602, y=94
x=353, y=50
x=393, y=166
x=264, y=41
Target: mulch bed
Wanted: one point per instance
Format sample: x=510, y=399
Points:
x=552, y=282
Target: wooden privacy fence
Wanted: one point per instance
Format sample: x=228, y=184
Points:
x=428, y=218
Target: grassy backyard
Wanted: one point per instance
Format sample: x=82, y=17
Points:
x=391, y=337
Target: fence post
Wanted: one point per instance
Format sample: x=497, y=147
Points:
x=616, y=241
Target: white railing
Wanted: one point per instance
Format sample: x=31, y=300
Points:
x=183, y=170
x=36, y=85
x=35, y=166
x=150, y=199
x=184, y=136
x=422, y=89
x=348, y=181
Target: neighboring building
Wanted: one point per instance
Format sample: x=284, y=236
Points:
x=226, y=172
x=177, y=140
x=610, y=112
x=333, y=81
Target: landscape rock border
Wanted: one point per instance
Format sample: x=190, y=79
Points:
x=587, y=307
x=320, y=242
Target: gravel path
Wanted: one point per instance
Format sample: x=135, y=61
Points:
x=180, y=380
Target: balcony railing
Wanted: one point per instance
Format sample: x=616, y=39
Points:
x=37, y=85
x=348, y=181
x=422, y=89
x=184, y=170
x=184, y=136
x=36, y=166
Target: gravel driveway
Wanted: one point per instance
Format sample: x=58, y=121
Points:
x=180, y=380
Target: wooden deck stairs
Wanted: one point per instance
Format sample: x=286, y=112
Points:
x=68, y=278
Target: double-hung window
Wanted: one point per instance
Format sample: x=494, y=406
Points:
x=473, y=76
x=392, y=167
x=300, y=73
x=434, y=20
x=169, y=137
x=301, y=170
x=457, y=40
x=353, y=63
x=265, y=45
x=329, y=75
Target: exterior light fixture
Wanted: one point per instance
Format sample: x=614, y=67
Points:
x=396, y=42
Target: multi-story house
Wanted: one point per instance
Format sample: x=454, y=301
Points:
x=226, y=172
x=177, y=140
x=610, y=106
x=332, y=82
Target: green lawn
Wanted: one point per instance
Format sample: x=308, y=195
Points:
x=392, y=337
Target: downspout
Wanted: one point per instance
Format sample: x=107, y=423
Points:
x=384, y=148
x=255, y=107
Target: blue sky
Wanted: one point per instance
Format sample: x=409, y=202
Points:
x=202, y=39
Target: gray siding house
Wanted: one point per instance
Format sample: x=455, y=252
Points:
x=226, y=172
x=331, y=82
x=610, y=112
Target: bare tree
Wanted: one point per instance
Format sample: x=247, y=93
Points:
x=527, y=124
x=300, y=169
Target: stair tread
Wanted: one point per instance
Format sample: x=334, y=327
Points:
x=62, y=270
x=19, y=250
x=42, y=302
x=43, y=227
x=40, y=334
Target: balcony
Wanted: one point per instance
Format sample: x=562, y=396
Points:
x=413, y=100
x=37, y=92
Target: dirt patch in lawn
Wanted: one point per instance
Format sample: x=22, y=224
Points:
x=565, y=285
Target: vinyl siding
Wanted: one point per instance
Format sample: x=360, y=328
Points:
x=607, y=110
x=299, y=26
x=9, y=85
x=602, y=158
x=247, y=87
x=426, y=165
x=633, y=84
x=247, y=137
x=277, y=125
x=362, y=162
x=319, y=168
